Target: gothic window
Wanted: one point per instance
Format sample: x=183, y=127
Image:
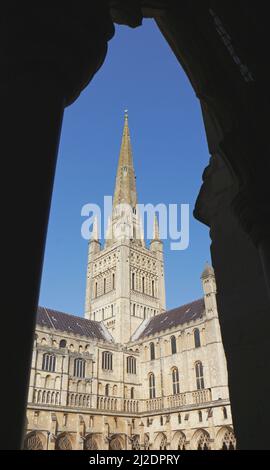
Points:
x=163, y=443
x=48, y=362
x=152, y=388
x=34, y=441
x=146, y=442
x=107, y=360
x=197, y=338
x=133, y=281
x=90, y=443
x=175, y=381
x=96, y=289
x=203, y=442
x=173, y=345
x=79, y=368
x=112, y=310
x=161, y=420
x=228, y=441
x=63, y=442
x=152, y=351
x=107, y=390
x=200, y=416
x=132, y=393
x=179, y=418
x=131, y=365
x=62, y=343
x=144, y=312
x=113, y=281
x=104, y=285
x=153, y=288
x=225, y=414
x=199, y=375
x=134, y=310
x=143, y=285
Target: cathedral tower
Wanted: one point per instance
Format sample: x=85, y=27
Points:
x=125, y=280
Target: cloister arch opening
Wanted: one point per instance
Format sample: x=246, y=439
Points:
x=225, y=439
x=201, y=440
x=35, y=440
x=116, y=442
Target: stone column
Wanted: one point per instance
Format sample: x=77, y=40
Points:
x=48, y=55
x=243, y=307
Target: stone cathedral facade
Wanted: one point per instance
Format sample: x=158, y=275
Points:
x=130, y=375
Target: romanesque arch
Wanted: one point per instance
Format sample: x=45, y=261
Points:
x=91, y=442
x=35, y=441
x=200, y=440
x=116, y=443
x=160, y=442
x=63, y=442
x=225, y=439
x=178, y=441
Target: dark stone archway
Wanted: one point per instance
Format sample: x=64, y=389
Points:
x=227, y=69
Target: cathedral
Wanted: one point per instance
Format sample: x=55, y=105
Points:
x=130, y=374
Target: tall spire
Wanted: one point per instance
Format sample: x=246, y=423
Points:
x=125, y=185
x=155, y=229
x=95, y=230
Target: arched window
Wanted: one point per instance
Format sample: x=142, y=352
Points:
x=79, y=368
x=152, y=351
x=113, y=281
x=225, y=414
x=152, y=388
x=197, y=338
x=161, y=420
x=173, y=345
x=107, y=390
x=133, y=281
x=143, y=286
x=144, y=312
x=199, y=375
x=96, y=289
x=179, y=418
x=107, y=360
x=103, y=316
x=134, y=310
x=175, y=381
x=132, y=393
x=200, y=416
x=62, y=343
x=153, y=288
x=104, y=285
x=112, y=310
x=48, y=362
x=131, y=365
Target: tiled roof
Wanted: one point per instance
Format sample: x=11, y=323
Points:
x=172, y=318
x=72, y=324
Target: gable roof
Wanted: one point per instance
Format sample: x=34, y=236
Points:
x=72, y=324
x=172, y=318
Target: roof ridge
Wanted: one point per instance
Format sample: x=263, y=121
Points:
x=69, y=314
x=174, y=317
x=176, y=308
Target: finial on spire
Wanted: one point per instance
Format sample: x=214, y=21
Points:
x=126, y=113
x=208, y=270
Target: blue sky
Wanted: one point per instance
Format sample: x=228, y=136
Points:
x=169, y=150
